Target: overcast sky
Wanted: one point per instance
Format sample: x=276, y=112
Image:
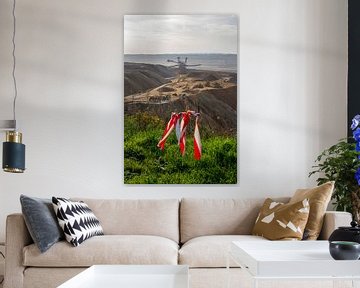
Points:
x=158, y=34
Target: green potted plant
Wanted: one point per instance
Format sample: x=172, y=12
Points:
x=341, y=163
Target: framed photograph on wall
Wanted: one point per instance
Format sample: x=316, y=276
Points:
x=180, y=99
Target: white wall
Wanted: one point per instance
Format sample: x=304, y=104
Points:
x=292, y=94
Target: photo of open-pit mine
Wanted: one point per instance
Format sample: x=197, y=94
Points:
x=180, y=99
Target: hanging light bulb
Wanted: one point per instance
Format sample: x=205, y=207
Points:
x=13, y=149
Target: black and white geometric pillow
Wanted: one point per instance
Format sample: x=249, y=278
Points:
x=77, y=220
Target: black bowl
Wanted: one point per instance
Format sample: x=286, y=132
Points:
x=344, y=250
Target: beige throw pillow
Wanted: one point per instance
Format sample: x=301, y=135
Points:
x=279, y=221
x=319, y=198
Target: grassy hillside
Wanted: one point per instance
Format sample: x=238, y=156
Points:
x=147, y=164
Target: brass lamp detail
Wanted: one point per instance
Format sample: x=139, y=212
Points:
x=13, y=136
x=13, y=153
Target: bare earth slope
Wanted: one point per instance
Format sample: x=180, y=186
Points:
x=213, y=94
x=139, y=77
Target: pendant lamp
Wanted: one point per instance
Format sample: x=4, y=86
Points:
x=13, y=160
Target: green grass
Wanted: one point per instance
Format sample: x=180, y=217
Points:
x=147, y=164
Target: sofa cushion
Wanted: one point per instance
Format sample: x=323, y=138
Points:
x=107, y=249
x=200, y=217
x=319, y=198
x=77, y=220
x=41, y=221
x=211, y=251
x=279, y=221
x=158, y=217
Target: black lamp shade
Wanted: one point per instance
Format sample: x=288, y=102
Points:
x=13, y=157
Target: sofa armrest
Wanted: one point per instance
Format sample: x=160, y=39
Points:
x=17, y=237
x=332, y=220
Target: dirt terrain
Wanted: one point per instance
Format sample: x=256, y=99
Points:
x=139, y=77
x=161, y=90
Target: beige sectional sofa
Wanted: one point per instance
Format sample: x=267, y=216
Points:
x=194, y=232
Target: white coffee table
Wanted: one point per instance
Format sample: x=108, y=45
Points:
x=285, y=260
x=131, y=276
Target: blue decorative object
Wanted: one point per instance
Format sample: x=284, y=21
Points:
x=357, y=147
x=356, y=134
x=355, y=122
x=357, y=176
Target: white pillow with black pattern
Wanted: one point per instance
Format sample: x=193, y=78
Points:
x=76, y=220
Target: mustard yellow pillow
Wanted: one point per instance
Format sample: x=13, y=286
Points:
x=279, y=221
x=319, y=198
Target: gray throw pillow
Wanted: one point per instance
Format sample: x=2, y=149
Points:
x=41, y=221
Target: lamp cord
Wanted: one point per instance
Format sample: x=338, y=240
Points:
x=14, y=61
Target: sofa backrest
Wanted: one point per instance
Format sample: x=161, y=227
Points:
x=159, y=217
x=200, y=217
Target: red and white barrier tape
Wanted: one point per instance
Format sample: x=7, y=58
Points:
x=179, y=122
